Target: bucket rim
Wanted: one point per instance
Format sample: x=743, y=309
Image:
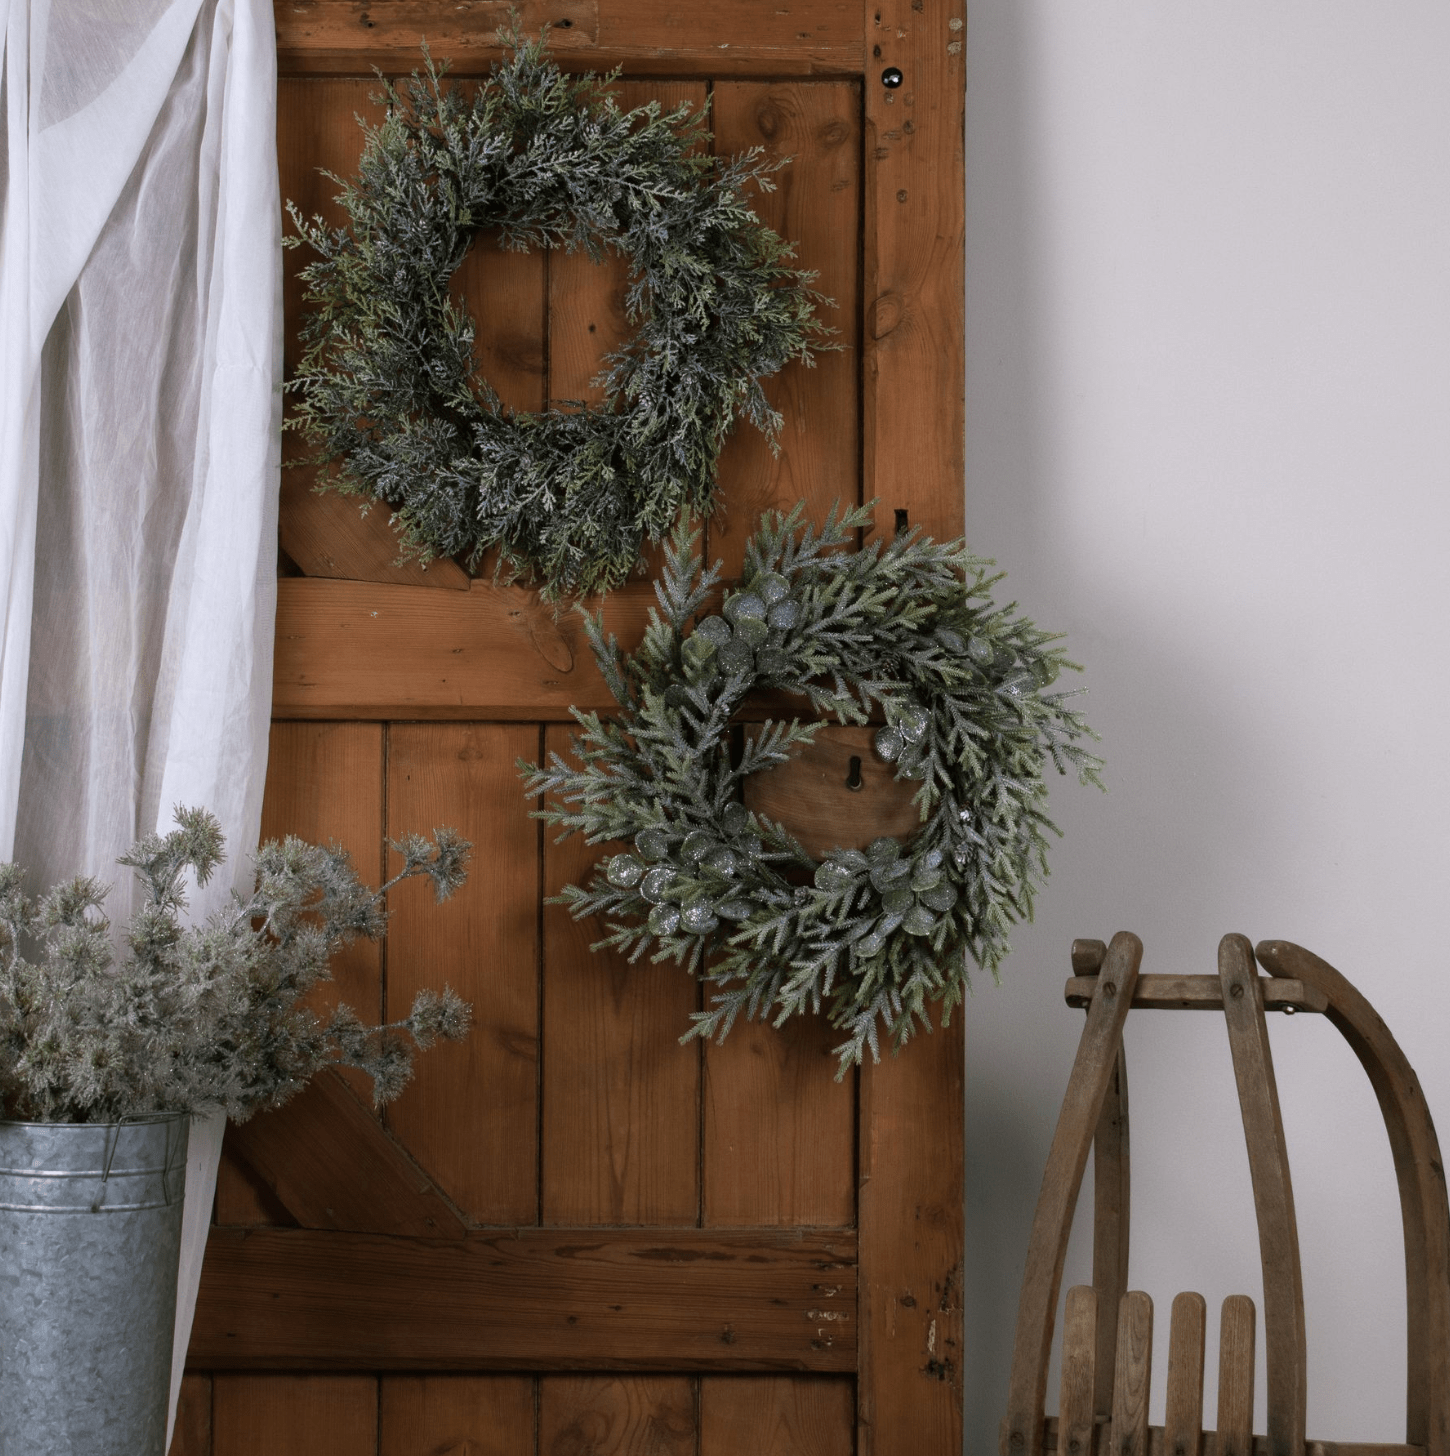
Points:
x=140, y=1120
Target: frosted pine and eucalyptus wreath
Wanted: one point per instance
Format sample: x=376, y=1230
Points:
x=907, y=634
x=193, y=1018
x=387, y=390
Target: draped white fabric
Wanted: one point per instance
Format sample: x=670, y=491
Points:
x=140, y=369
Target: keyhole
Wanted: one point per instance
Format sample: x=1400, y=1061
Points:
x=853, y=778
x=901, y=524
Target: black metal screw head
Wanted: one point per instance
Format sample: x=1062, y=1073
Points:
x=891, y=77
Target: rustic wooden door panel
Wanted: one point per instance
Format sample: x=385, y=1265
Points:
x=621, y=1124
x=788, y=1415
x=192, y=1434
x=470, y=1116
x=816, y=204
x=456, y=1415
x=636, y=1246
x=780, y=1131
x=617, y=1416
x=295, y=1415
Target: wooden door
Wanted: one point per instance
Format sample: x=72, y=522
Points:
x=573, y=1235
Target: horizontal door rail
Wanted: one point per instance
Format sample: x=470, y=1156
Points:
x=759, y=37
x=529, y=1299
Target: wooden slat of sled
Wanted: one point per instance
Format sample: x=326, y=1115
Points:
x=750, y=37
x=1201, y=993
x=542, y=1299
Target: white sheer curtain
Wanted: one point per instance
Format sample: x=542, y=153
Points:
x=140, y=369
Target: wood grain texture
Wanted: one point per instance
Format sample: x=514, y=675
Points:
x=326, y=535
x=1200, y=993
x=470, y=1115
x=1183, y=1404
x=791, y=1415
x=816, y=206
x=360, y=650
x=621, y=1096
x=191, y=1435
x=506, y=294
x=295, y=1415
x=536, y=1299
x=909, y=1393
x=324, y=784
x=1236, y=1378
x=591, y=1415
x=243, y=1199
x=811, y=797
x=1092, y=1071
x=1077, y=1404
x=1419, y=1171
x=456, y=1415
x=780, y=1131
x=1112, y=1206
x=330, y=1163
x=1132, y=1375
x=914, y=266
x=644, y=36
x=1285, y=1349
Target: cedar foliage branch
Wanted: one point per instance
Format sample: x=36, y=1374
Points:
x=906, y=634
x=387, y=390
x=193, y=1018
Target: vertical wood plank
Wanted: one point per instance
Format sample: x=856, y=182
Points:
x=1236, y=1377
x=816, y=205
x=621, y=1096
x=192, y=1433
x=1132, y=1375
x=464, y=1415
x=1285, y=1347
x=914, y=266
x=506, y=295
x=1183, y=1406
x=470, y=1116
x=643, y=1415
x=317, y=132
x=909, y=1396
x=295, y=1415
x=786, y=1415
x=780, y=1130
x=1112, y=1203
x=1077, y=1407
x=324, y=784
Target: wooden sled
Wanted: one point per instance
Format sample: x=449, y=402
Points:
x=1107, y=1335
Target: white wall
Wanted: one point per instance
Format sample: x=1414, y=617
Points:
x=1208, y=435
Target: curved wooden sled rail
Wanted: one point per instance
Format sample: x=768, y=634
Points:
x=1108, y=1330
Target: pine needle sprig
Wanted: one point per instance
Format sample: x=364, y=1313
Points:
x=212, y=1016
x=905, y=634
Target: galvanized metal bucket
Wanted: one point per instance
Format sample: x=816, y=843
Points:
x=90, y=1236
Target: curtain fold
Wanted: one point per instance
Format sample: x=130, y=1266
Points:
x=140, y=406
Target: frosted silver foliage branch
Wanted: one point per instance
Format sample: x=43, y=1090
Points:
x=388, y=391
x=906, y=635
x=192, y=1018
